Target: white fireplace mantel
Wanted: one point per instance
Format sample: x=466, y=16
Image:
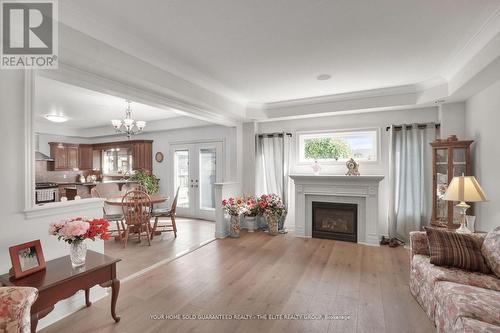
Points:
x=361, y=190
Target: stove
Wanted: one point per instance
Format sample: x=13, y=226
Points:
x=46, y=192
x=39, y=186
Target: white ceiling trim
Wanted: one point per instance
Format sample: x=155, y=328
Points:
x=81, y=19
x=456, y=74
x=478, y=41
x=92, y=81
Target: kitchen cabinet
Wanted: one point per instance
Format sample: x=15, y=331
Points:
x=65, y=156
x=73, y=156
x=85, y=157
x=142, y=156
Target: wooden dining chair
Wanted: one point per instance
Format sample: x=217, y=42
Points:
x=136, y=206
x=166, y=227
x=110, y=215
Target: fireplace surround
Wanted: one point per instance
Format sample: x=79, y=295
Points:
x=359, y=190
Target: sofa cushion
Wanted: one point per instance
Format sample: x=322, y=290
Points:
x=15, y=306
x=449, y=248
x=456, y=302
x=451, y=274
x=468, y=325
x=491, y=250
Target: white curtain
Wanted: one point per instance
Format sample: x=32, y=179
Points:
x=410, y=173
x=272, y=161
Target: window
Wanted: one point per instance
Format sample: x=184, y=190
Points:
x=116, y=161
x=330, y=146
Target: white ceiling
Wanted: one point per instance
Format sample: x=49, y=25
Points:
x=87, y=108
x=273, y=50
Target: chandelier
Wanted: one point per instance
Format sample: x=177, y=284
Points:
x=128, y=126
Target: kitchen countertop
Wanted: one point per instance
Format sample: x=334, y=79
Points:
x=97, y=182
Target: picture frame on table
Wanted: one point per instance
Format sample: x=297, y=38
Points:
x=26, y=258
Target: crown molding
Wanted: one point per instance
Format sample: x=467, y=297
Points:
x=397, y=90
x=488, y=31
x=83, y=20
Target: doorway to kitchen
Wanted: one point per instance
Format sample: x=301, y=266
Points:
x=195, y=170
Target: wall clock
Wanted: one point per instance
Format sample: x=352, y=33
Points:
x=159, y=157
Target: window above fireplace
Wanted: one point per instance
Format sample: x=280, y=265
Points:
x=338, y=146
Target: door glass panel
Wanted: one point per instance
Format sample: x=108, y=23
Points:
x=181, y=176
x=208, y=173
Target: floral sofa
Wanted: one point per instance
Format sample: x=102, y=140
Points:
x=455, y=299
x=15, y=306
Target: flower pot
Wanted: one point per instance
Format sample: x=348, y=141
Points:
x=234, y=229
x=272, y=224
x=251, y=223
x=78, y=253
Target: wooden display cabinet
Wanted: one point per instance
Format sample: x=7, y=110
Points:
x=450, y=158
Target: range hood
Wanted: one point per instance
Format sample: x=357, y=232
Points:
x=38, y=155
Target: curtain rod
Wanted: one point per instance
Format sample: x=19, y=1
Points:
x=270, y=135
x=410, y=126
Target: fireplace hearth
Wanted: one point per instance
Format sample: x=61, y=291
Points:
x=337, y=221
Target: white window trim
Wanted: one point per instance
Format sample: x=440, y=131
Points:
x=298, y=161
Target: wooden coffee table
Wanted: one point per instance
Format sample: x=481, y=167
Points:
x=60, y=280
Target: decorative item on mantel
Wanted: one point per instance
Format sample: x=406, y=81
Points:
x=234, y=207
x=352, y=168
x=75, y=231
x=316, y=167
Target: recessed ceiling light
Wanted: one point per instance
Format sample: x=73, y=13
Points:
x=56, y=118
x=323, y=77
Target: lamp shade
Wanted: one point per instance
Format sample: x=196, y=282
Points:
x=464, y=188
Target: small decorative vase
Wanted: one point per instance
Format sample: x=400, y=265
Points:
x=272, y=224
x=316, y=168
x=251, y=223
x=77, y=253
x=234, y=230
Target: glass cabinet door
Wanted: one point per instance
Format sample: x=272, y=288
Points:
x=459, y=168
x=441, y=184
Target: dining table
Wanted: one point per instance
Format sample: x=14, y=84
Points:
x=118, y=201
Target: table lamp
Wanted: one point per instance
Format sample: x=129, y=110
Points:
x=464, y=188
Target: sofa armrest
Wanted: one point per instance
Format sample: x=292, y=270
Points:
x=419, y=243
x=15, y=308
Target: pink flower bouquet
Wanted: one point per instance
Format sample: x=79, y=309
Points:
x=78, y=229
x=233, y=206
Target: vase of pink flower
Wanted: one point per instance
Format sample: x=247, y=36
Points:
x=234, y=207
x=251, y=211
x=75, y=231
x=273, y=208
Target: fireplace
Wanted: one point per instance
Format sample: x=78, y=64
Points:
x=337, y=221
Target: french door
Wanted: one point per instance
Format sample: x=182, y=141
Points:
x=196, y=168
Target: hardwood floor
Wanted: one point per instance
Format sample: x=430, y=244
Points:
x=260, y=274
x=139, y=256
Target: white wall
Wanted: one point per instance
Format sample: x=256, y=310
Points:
x=452, y=119
x=379, y=120
x=482, y=119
